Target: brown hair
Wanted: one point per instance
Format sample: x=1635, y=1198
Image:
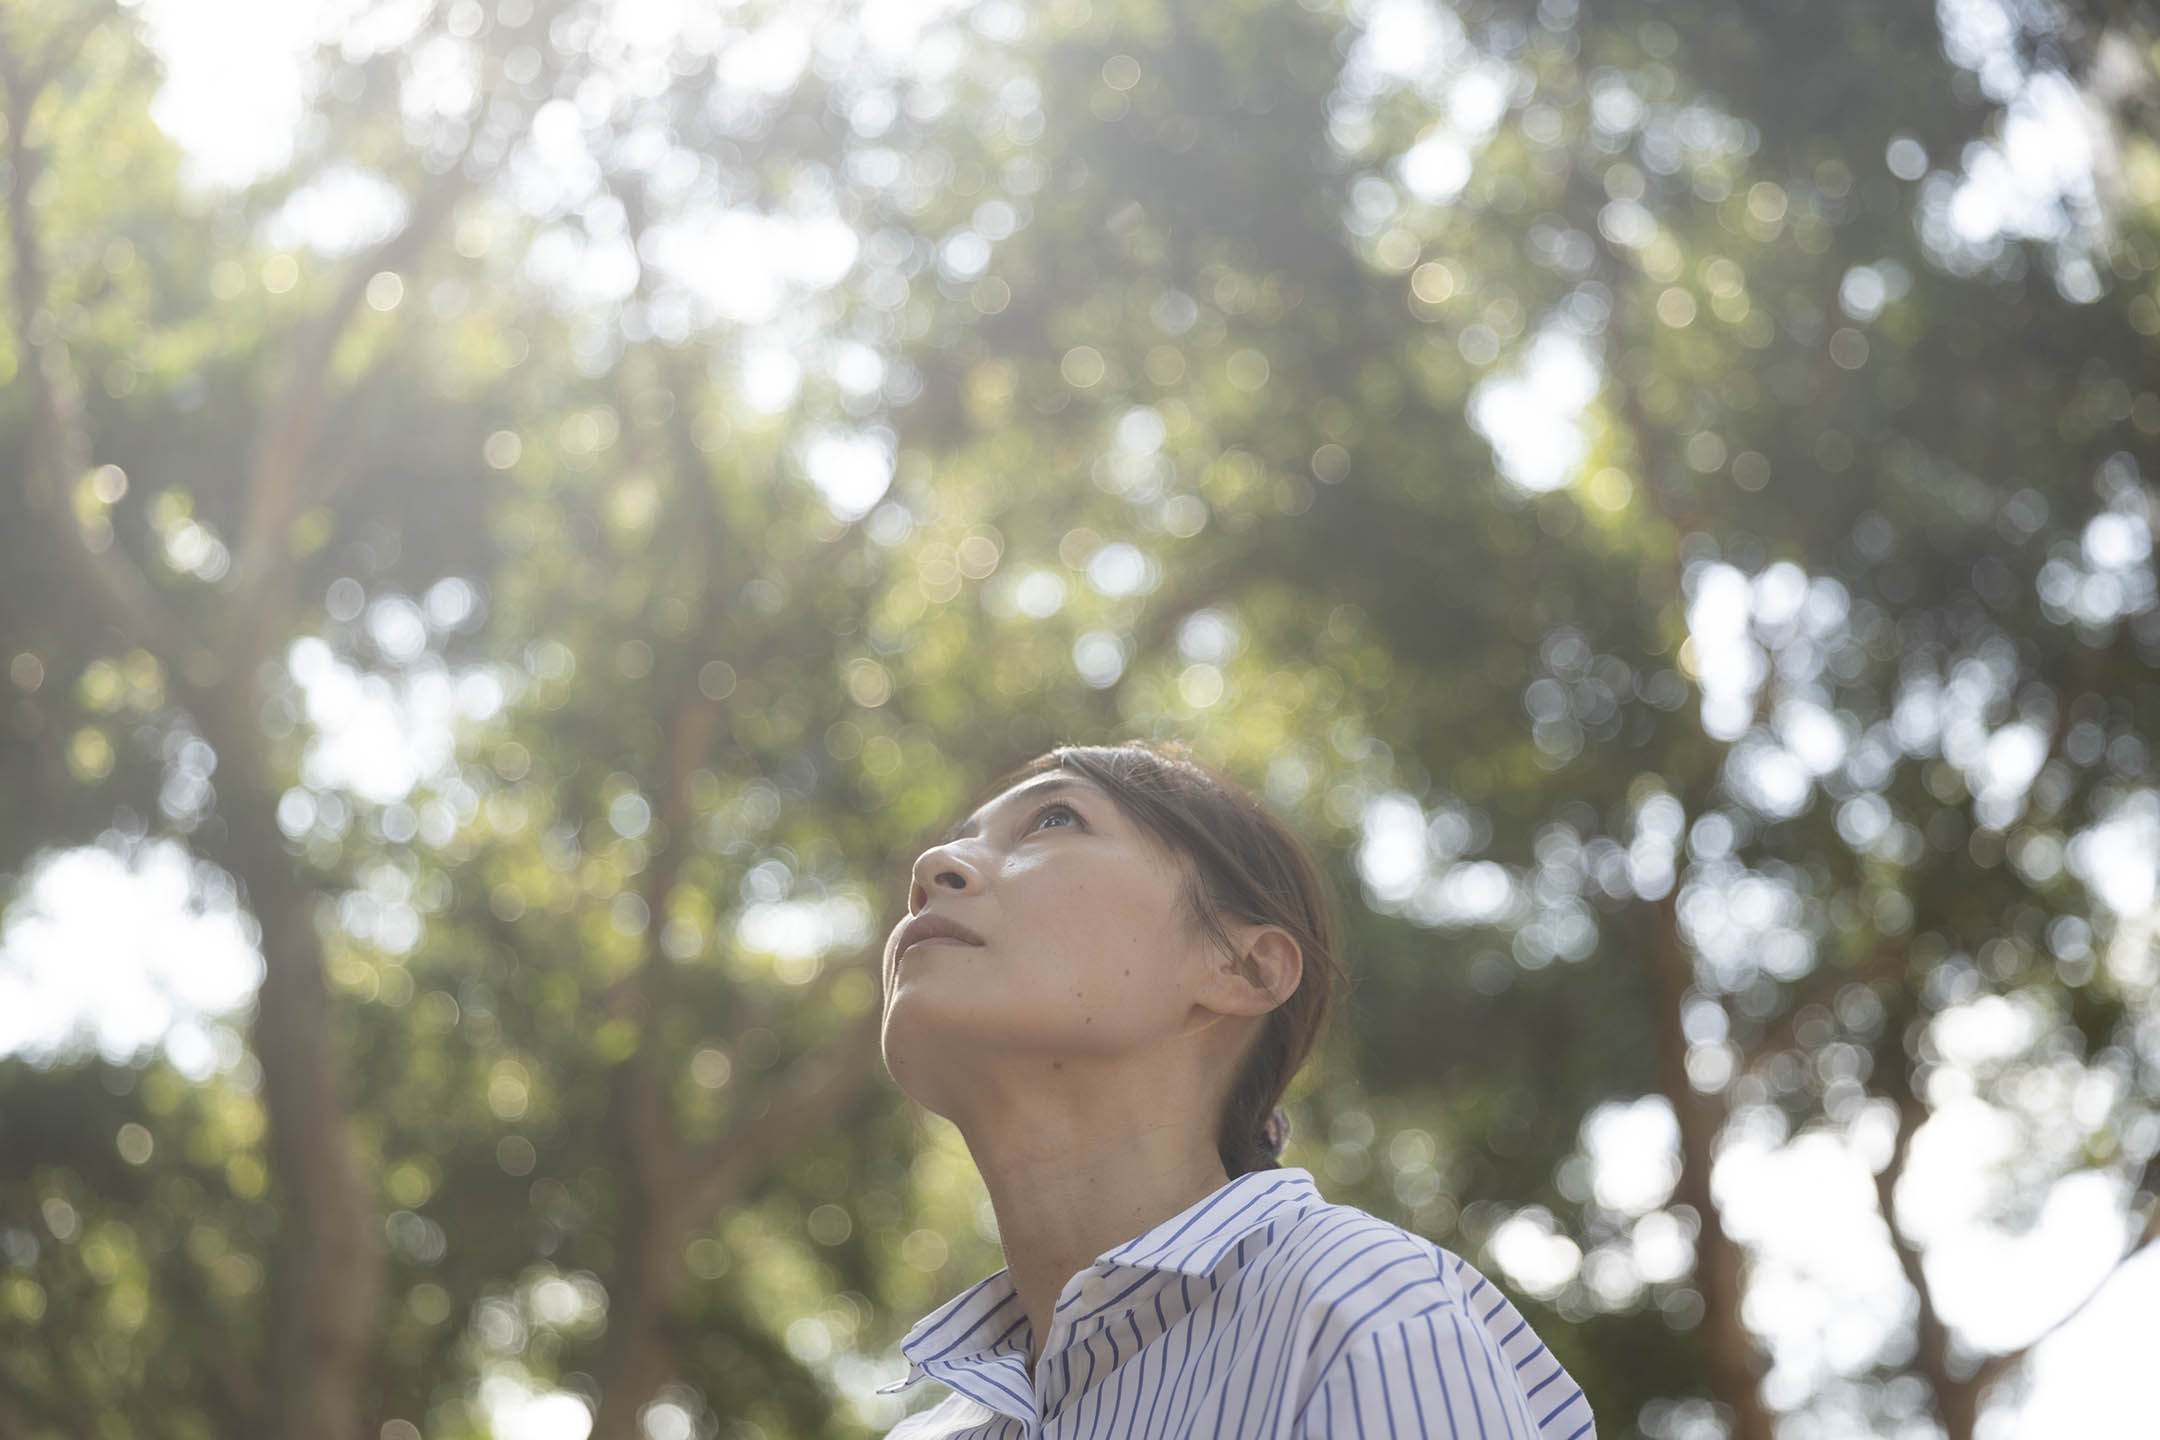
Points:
x=1244, y=864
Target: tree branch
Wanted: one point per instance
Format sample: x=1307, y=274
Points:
x=818, y=1090
x=59, y=449
x=279, y=481
x=63, y=49
x=1959, y=1398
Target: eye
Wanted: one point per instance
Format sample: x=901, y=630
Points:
x=1057, y=809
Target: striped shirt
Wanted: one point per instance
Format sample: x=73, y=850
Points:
x=1261, y=1311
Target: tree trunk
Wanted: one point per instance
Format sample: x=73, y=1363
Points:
x=328, y=1264
x=328, y=1277
x=1957, y=1397
x=639, y=1354
x=1720, y=1267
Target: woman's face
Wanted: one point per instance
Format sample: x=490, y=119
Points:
x=1088, y=949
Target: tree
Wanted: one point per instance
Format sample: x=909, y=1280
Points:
x=249, y=437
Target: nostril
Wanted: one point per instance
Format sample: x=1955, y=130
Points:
x=917, y=897
x=952, y=880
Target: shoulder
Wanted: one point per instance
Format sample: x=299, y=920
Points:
x=1443, y=1374
x=1337, y=1257
x=1392, y=1319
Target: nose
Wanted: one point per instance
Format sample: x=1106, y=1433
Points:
x=942, y=868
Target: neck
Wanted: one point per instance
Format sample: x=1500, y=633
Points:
x=1069, y=1183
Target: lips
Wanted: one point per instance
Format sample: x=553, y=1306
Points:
x=929, y=925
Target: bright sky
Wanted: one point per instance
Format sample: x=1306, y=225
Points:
x=233, y=89
x=129, y=946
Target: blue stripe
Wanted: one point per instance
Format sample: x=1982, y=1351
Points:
x=1210, y=1315
x=955, y=1308
x=961, y=1379
x=1492, y=1373
x=1387, y=1398
x=1158, y=1251
x=1357, y=1325
x=1417, y=1397
x=1113, y=1300
x=986, y=1318
x=1136, y=1373
x=1447, y=1396
x=1477, y=1406
x=1562, y=1406
x=1226, y=1303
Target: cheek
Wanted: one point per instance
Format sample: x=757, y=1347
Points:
x=1130, y=966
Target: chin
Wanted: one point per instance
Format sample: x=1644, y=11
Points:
x=934, y=1049
x=910, y=1045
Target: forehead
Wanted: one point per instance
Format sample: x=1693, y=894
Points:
x=1022, y=794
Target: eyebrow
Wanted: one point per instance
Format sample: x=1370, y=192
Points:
x=972, y=826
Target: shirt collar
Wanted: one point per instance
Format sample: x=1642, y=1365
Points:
x=986, y=1319
x=1195, y=1240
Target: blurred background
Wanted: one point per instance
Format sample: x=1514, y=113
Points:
x=517, y=518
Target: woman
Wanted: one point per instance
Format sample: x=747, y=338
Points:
x=1106, y=978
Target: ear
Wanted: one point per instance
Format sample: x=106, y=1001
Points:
x=1259, y=971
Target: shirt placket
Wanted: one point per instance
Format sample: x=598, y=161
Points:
x=1070, y=1365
